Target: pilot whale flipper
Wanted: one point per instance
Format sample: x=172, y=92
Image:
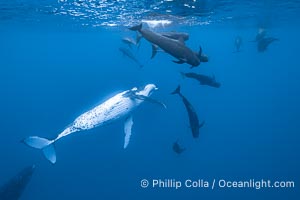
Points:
x=180, y=61
x=119, y=106
x=154, y=50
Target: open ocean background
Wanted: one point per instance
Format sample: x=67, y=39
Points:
x=60, y=58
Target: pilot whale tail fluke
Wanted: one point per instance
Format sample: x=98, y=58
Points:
x=47, y=146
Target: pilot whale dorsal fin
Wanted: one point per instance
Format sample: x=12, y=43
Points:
x=127, y=130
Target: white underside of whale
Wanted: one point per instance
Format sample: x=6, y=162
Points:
x=115, y=108
x=119, y=106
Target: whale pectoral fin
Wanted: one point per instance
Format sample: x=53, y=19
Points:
x=130, y=93
x=154, y=50
x=146, y=98
x=127, y=130
x=180, y=61
x=200, y=51
x=138, y=39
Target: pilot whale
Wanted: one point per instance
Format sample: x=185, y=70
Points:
x=193, y=117
x=202, y=79
x=176, y=35
x=176, y=48
x=13, y=189
x=129, y=54
x=118, y=106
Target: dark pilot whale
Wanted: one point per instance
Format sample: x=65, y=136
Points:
x=263, y=44
x=193, y=117
x=129, y=41
x=176, y=48
x=117, y=107
x=130, y=55
x=176, y=35
x=177, y=148
x=260, y=34
x=203, y=79
x=13, y=189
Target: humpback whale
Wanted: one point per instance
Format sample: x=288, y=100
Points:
x=203, y=79
x=118, y=106
x=176, y=48
x=14, y=188
x=193, y=117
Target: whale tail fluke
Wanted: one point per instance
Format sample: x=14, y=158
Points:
x=136, y=28
x=47, y=146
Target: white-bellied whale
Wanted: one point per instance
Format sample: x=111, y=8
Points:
x=176, y=48
x=118, y=106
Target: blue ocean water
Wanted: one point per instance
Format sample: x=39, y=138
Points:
x=59, y=59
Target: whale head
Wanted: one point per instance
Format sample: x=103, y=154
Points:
x=148, y=90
